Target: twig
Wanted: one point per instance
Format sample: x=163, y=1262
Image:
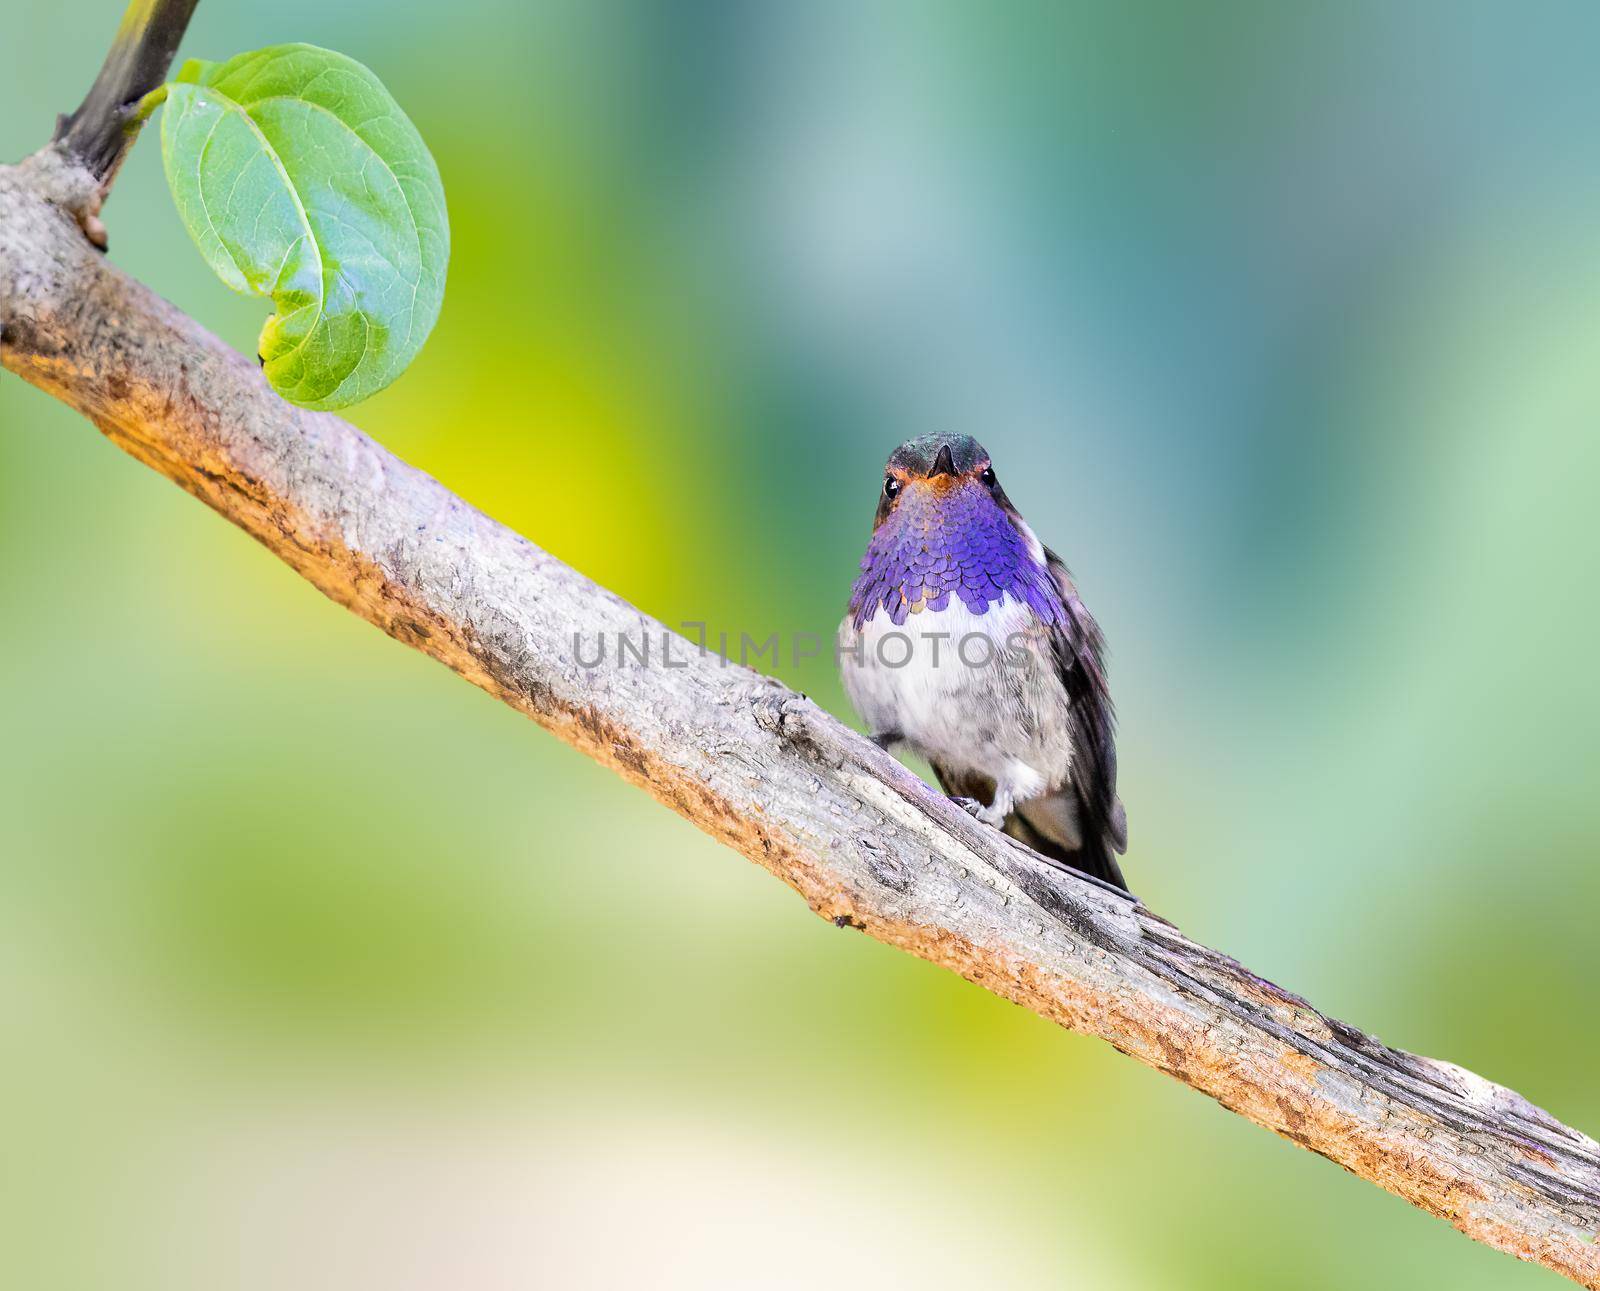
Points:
x=106, y=123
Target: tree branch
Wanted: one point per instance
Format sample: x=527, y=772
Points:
x=102, y=130
x=756, y=765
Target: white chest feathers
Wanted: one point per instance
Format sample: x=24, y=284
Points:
x=970, y=691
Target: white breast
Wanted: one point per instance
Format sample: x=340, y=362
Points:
x=913, y=672
x=971, y=692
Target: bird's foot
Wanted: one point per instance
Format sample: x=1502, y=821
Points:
x=990, y=815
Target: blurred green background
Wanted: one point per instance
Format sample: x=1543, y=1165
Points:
x=318, y=968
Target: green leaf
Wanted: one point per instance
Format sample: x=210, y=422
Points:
x=300, y=178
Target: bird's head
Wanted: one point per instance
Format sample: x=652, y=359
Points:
x=935, y=475
x=946, y=531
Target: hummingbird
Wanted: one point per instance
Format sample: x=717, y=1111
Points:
x=966, y=643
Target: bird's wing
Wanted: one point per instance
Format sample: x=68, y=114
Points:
x=1083, y=824
x=1101, y=825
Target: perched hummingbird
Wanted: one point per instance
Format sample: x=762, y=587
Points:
x=966, y=642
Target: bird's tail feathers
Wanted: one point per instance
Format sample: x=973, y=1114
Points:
x=1095, y=857
x=1054, y=827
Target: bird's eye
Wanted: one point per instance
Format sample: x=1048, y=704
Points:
x=988, y=477
x=891, y=487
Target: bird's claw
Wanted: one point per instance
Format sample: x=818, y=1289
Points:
x=978, y=811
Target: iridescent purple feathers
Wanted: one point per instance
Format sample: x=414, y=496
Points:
x=950, y=538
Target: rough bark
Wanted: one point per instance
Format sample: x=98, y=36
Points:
x=756, y=765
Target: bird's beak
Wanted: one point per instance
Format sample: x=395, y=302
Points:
x=943, y=464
